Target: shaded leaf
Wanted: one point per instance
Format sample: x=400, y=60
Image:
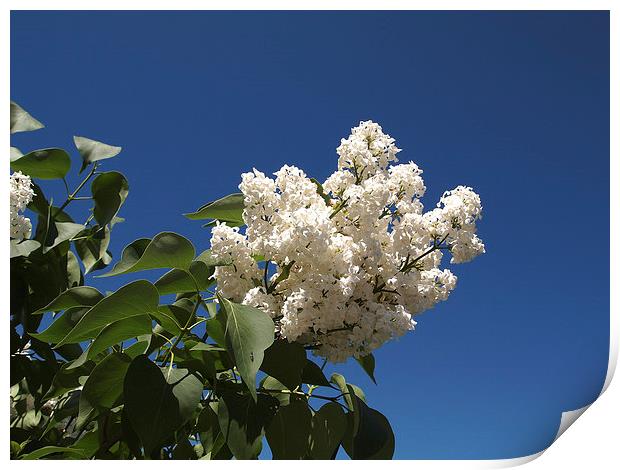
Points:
x=328, y=427
x=285, y=361
x=372, y=438
x=103, y=389
x=243, y=422
x=313, y=375
x=45, y=451
x=93, y=250
x=64, y=231
x=118, y=331
x=289, y=431
x=208, y=427
x=368, y=364
x=109, y=192
x=158, y=402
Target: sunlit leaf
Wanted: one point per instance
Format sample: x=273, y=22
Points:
x=165, y=250
x=136, y=298
x=46, y=164
x=22, y=121
x=82, y=296
x=93, y=150
x=227, y=209
x=248, y=331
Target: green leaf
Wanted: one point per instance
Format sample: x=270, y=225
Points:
x=248, y=331
x=66, y=379
x=285, y=361
x=109, y=192
x=92, y=150
x=22, y=121
x=271, y=384
x=103, y=389
x=208, y=427
x=45, y=164
x=329, y=425
x=227, y=209
x=136, y=298
x=351, y=395
x=166, y=250
x=74, y=273
x=65, y=231
x=173, y=317
x=118, y=331
x=183, y=451
x=368, y=364
x=23, y=248
x=180, y=281
x=158, y=402
x=372, y=438
x=216, y=330
x=243, y=422
x=93, y=251
x=313, y=375
x=139, y=347
x=61, y=326
x=321, y=192
x=45, y=451
x=289, y=431
x=15, y=153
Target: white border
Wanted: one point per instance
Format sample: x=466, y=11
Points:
x=591, y=443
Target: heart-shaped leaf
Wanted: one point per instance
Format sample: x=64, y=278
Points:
x=285, y=361
x=22, y=121
x=243, y=422
x=109, y=192
x=93, y=150
x=23, y=248
x=372, y=438
x=82, y=296
x=329, y=425
x=118, y=331
x=158, y=401
x=165, y=250
x=136, y=298
x=289, y=431
x=248, y=331
x=45, y=164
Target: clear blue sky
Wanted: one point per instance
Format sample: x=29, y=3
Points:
x=515, y=105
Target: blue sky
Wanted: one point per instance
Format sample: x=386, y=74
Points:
x=514, y=104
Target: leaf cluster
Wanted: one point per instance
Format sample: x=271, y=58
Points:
x=156, y=370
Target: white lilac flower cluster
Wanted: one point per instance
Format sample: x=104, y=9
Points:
x=21, y=193
x=356, y=257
